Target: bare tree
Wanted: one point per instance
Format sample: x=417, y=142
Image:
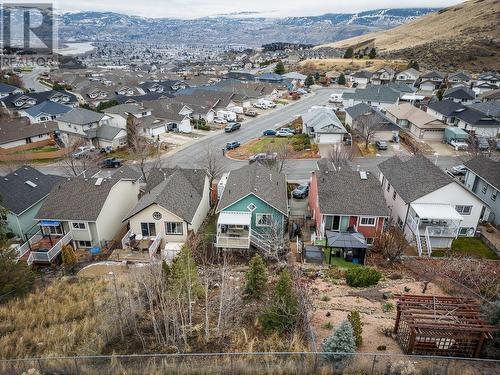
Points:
x=140, y=150
x=340, y=155
x=282, y=152
x=271, y=241
x=366, y=126
x=212, y=163
x=391, y=244
x=76, y=162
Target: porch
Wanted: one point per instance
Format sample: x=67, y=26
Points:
x=234, y=230
x=139, y=243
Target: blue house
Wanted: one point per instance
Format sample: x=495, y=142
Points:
x=253, y=209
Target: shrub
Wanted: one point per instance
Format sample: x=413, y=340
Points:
x=403, y=368
x=362, y=276
x=325, y=298
x=327, y=325
x=357, y=326
x=387, y=307
x=341, y=340
x=256, y=277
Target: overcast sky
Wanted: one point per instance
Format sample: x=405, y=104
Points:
x=201, y=8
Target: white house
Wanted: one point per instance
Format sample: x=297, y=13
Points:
x=360, y=78
x=80, y=123
x=323, y=125
x=383, y=76
x=408, y=76
x=376, y=96
x=430, y=207
x=45, y=111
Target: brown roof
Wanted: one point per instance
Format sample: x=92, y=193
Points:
x=414, y=115
x=16, y=129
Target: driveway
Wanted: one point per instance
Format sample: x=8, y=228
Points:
x=299, y=207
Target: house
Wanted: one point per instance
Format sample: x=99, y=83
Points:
x=175, y=204
x=119, y=114
x=18, y=132
x=460, y=78
x=489, y=108
x=408, y=76
x=81, y=124
x=45, y=111
x=360, y=78
x=427, y=86
x=342, y=200
x=253, y=209
x=91, y=216
x=385, y=129
x=374, y=95
x=270, y=77
x=489, y=96
x=296, y=78
x=323, y=125
x=26, y=100
x=483, y=179
x=445, y=110
x=406, y=93
x=460, y=94
x=23, y=192
x=240, y=76
x=475, y=121
x=420, y=124
x=6, y=90
x=483, y=87
x=429, y=206
x=383, y=76
x=166, y=114
x=491, y=78
x=431, y=80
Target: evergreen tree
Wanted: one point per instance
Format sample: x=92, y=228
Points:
x=279, y=68
x=341, y=79
x=413, y=64
x=357, y=327
x=256, y=277
x=440, y=93
x=349, y=53
x=68, y=258
x=309, y=81
x=341, y=341
x=108, y=104
x=317, y=76
x=58, y=87
x=372, y=54
x=184, y=273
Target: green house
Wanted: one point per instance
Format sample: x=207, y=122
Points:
x=253, y=209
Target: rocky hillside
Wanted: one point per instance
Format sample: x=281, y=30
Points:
x=464, y=36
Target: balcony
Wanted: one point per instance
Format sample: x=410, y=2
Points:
x=40, y=251
x=233, y=230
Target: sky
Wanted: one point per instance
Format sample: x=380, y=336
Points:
x=201, y=8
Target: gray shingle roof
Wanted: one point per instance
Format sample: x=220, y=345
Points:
x=323, y=120
x=473, y=117
x=18, y=196
x=486, y=168
x=375, y=93
x=445, y=107
x=459, y=92
x=491, y=108
x=180, y=192
x=81, y=116
x=16, y=129
x=357, y=110
x=122, y=109
x=48, y=107
x=265, y=183
x=345, y=193
x=107, y=132
x=413, y=178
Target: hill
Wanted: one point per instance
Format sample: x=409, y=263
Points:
x=464, y=36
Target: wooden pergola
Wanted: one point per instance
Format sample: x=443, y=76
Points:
x=439, y=325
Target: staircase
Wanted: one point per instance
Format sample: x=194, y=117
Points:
x=264, y=243
x=425, y=249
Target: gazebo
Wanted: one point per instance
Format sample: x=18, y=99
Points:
x=439, y=325
x=350, y=245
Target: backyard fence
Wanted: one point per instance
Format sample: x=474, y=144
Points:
x=250, y=363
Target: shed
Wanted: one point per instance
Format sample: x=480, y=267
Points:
x=453, y=133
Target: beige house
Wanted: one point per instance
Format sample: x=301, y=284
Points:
x=420, y=124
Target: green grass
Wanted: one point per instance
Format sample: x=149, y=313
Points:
x=468, y=246
x=119, y=154
x=263, y=144
x=39, y=149
x=338, y=261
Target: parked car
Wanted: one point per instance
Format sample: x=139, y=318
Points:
x=263, y=157
x=232, y=145
x=483, y=144
x=232, y=127
x=457, y=145
x=106, y=150
x=458, y=170
x=260, y=105
x=271, y=104
x=283, y=133
x=289, y=130
x=218, y=120
x=301, y=191
x=302, y=91
x=251, y=113
x=83, y=151
x=269, y=132
x=381, y=145
x=111, y=163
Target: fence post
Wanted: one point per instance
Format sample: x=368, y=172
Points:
x=40, y=366
x=373, y=364
x=76, y=366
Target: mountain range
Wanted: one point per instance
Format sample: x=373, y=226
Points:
x=250, y=30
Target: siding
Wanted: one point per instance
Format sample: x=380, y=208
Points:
x=484, y=191
x=20, y=225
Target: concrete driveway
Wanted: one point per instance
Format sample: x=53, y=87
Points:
x=299, y=207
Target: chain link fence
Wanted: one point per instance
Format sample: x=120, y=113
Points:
x=250, y=363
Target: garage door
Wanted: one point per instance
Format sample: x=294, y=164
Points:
x=434, y=134
x=329, y=138
x=159, y=130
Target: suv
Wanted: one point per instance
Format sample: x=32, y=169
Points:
x=301, y=191
x=251, y=113
x=218, y=120
x=459, y=170
x=260, y=105
x=232, y=127
x=263, y=157
x=381, y=145
x=289, y=130
x=483, y=144
x=232, y=145
x=111, y=163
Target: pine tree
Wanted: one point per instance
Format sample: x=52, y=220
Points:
x=184, y=273
x=340, y=341
x=357, y=327
x=317, y=76
x=279, y=68
x=341, y=79
x=309, y=81
x=348, y=53
x=256, y=277
x=68, y=258
x=372, y=54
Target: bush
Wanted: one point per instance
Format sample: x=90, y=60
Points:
x=341, y=340
x=256, y=277
x=301, y=142
x=387, y=307
x=357, y=327
x=362, y=276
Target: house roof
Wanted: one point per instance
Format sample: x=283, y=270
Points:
x=162, y=109
x=491, y=95
x=15, y=129
x=123, y=99
x=433, y=74
x=414, y=115
x=476, y=118
x=345, y=193
x=242, y=76
x=39, y=97
x=486, y=168
x=362, y=74
x=445, y=107
x=123, y=109
x=357, y=110
x=346, y=240
x=459, y=92
x=323, y=120
x=411, y=72
x=48, y=107
x=108, y=132
x=18, y=194
x=295, y=75
x=8, y=89
x=81, y=116
x=265, y=183
x=179, y=191
x=461, y=75
x=402, y=87
x=374, y=93
x=270, y=77
x=491, y=108
x=415, y=177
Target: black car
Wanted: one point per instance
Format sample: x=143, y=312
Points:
x=111, y=163
x=232, y=127
x=381, y=145
x=301, y=191
x=232, y=145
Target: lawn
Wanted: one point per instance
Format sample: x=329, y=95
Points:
x=468, y=246
x=339, y=262
x=39, y=149
x=263, y=144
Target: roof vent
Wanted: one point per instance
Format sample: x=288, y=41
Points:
x=363, y=175
x=30, y=183
x=99, y=181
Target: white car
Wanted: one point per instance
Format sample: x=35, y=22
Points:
x=283, y=133
x=271, y=105
x=260, y=106
x=218, y=120
x=457, y=145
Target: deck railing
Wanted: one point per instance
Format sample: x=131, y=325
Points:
x=154, y=246
x=48, y=256
x=126, y=239
x=233, y=242
x=25, y=247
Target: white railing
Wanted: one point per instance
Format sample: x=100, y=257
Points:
x=25, y=247
x=419, y=244
x=154, y=246
x=413, y=224
x=442, y=231
x=428, y=241
x=126, y=239
x=233, y=242
x=47, y=256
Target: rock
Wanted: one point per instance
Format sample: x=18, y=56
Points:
x=381, y=347
x=387, y=295
x=407, y=289
x=328, y=314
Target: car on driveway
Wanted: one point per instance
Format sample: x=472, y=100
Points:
x=269, y=132
x=218, y=120
x=283, y=133
x=459, y=170
x=263, y=157
x=483, y=144
x=260, y=105
x=232, y=145
x=301, y=191
x=302, y=91
x=251, y=113
x=289, y=130
x=232, y=127
x=111, y=163
x=381, y=145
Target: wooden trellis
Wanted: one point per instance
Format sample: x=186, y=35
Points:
x=438, y=325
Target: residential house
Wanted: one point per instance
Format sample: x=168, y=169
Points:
x=362, y=114
x=360, y=78
x=270, y=77
x=460, y=94
x=18, y=132
x=460, y=78
x=377, y=96
x=406, y=93
x=491, y=78
x=429, y=206
x=22, y=194
x=408, y=76
x=472, y=120
x=489, y=108
x=445, y=110
x=323, y=125
x=253, y=209
x=240, y=76
x=483, y=179
x=483, y=88
x=22, y=101
x=342, y=200
x=431, y=80
x=175, y=204
x=45, y=111
x=489, y=96
x=168, y=86
x=6, y=90
x=427, y=86
x=296, y=78
x=167, y=115
x=90, y=217
x=383, y=76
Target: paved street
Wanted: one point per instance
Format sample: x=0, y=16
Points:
x=31, y=82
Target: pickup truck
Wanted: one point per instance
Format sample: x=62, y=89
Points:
x=111, y=163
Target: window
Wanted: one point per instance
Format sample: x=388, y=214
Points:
x=388, y=186
x=78, y=226
x=369, y=240
x=332, y=223
x=485, y=187
x=263, y=220
x=157, y=215
x=368, y=221
x=52, y=229
x=148, y=229
x=173, y=227
x=400, y=223
x=394, y=195
x=251, y=207
x=84, y=244
x=494, y=195
x=464, y=210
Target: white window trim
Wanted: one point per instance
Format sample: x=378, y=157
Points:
x=252, y=209
x=261, y=215
x=174, y=233
x=461, y=210
x=367, y=218
x=84, y=246
x=78, y=222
